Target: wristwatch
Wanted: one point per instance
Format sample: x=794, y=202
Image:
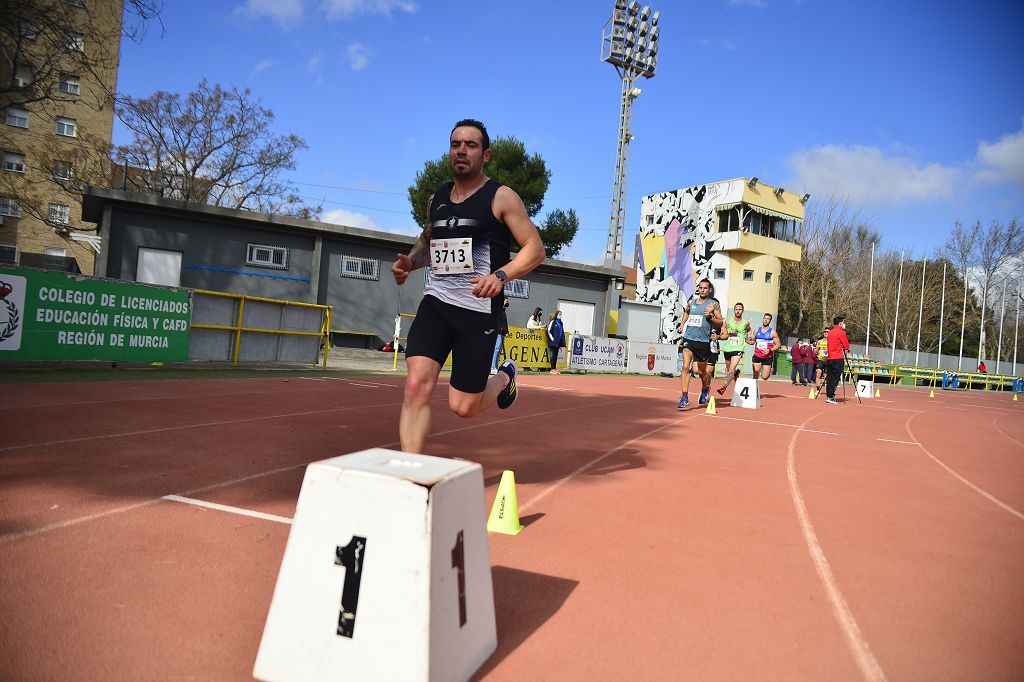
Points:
x=500, y=275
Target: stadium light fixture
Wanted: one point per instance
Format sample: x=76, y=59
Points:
x=752, y=182
x=805, y=198
x=629, y=42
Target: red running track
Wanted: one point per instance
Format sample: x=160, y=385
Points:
x=798, y=541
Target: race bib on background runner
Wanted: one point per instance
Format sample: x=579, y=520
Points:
x=451, y=256
x=694, y=320
x=761, y=345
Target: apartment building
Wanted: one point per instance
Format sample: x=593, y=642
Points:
x=57, y=100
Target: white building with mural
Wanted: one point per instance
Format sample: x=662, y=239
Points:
x=736, y=233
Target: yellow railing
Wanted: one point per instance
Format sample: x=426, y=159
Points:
x=238, y=329
x=398, y=336
x=894, y=374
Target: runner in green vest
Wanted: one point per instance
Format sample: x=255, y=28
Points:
x=736, y=334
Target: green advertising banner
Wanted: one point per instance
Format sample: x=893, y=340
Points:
x=47, y=315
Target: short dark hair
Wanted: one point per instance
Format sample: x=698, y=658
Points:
x=708, y=281
x=473, y=123
x=837, y=319
x=770, y=316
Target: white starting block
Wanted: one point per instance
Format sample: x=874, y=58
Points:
x=747, y=393
x=865, y=388
x=386, y=575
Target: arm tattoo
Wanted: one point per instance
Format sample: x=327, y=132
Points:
x=421, y=249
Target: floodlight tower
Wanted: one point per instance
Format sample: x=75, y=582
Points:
x=629, y=42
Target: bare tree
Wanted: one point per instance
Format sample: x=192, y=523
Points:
x=998, y=247
x=213, y=145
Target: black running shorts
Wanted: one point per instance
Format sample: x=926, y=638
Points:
x=730, y=354
x=701, y=349
x=441, y=328
x=763, y=360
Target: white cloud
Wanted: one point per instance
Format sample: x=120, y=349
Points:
x=346, y=9
x=358, y=56
x=340, y=216
x=313, y=63
x=759, y=4
x=868, y=175
x=1002, y=161
x=285, y=13
x=260, y=68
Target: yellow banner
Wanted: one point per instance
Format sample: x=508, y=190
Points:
x=528, y=348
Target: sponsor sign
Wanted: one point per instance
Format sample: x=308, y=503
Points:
x=48, y=315
x=597, y=354
x=528, y=348
x=652, y=358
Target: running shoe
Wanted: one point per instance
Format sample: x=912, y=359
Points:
x=831, y=401
x=684, y=401
x=721, y=391
x=508, y=394
x=736, y=374
x=703, y=400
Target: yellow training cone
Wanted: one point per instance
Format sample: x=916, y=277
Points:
x=711, y=406
x=878, y=394
x=812, y=395
x=931, y=394
x=504, y=516
x=1014, y=397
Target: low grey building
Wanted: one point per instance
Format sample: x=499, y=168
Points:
x=163, y=241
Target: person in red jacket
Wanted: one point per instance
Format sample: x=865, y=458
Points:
x=838, y=344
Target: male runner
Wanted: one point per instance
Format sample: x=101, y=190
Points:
x=700, y=314
x=766, y=341
x=838, y=344
x=466, y=243
x=736, y=333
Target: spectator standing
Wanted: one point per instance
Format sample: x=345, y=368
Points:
x=838, y=344
x=556, y=338
x=796, y=357
x=535, y=323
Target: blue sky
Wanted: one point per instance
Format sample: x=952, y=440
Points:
x=912, y=110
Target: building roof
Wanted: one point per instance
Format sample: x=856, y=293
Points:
x=95, y=199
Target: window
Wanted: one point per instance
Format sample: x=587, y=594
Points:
x=360, y=268
x=17, y=118
x=59, y=214
x=53, y=255
x=719, y=273
x=70, y=84
x=748, y=275
x=74, y=41
x=67, y=126
x=62, y=170
x=267, y=256
x=22, y=77
x=10, y=207
x=519, y=288
x=14, y=162
x=28, y=30
x=8, y=253
x=767, y=278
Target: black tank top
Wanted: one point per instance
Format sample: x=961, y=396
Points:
x=492, y=240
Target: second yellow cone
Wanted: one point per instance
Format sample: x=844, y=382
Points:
x=504, y=516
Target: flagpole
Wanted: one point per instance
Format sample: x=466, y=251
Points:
x=942, y=316
x=963, y=324
x=1002, y=316
x=920, y=316
x=1015, y=325
x=871, y=288
x=896, y=323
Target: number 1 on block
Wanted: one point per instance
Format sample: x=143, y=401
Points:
x=351, y=556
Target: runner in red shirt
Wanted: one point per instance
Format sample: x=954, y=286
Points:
x=838, y=344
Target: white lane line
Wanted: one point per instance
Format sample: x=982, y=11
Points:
x=902, y=442
x=32, y=532
x=226, y=508
x=565, y=479
x=648, y=388
x=792, y=426
x=866, y=661
x=226, y=422
x=983, y=493
x=995, y=422
x=352, y=383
